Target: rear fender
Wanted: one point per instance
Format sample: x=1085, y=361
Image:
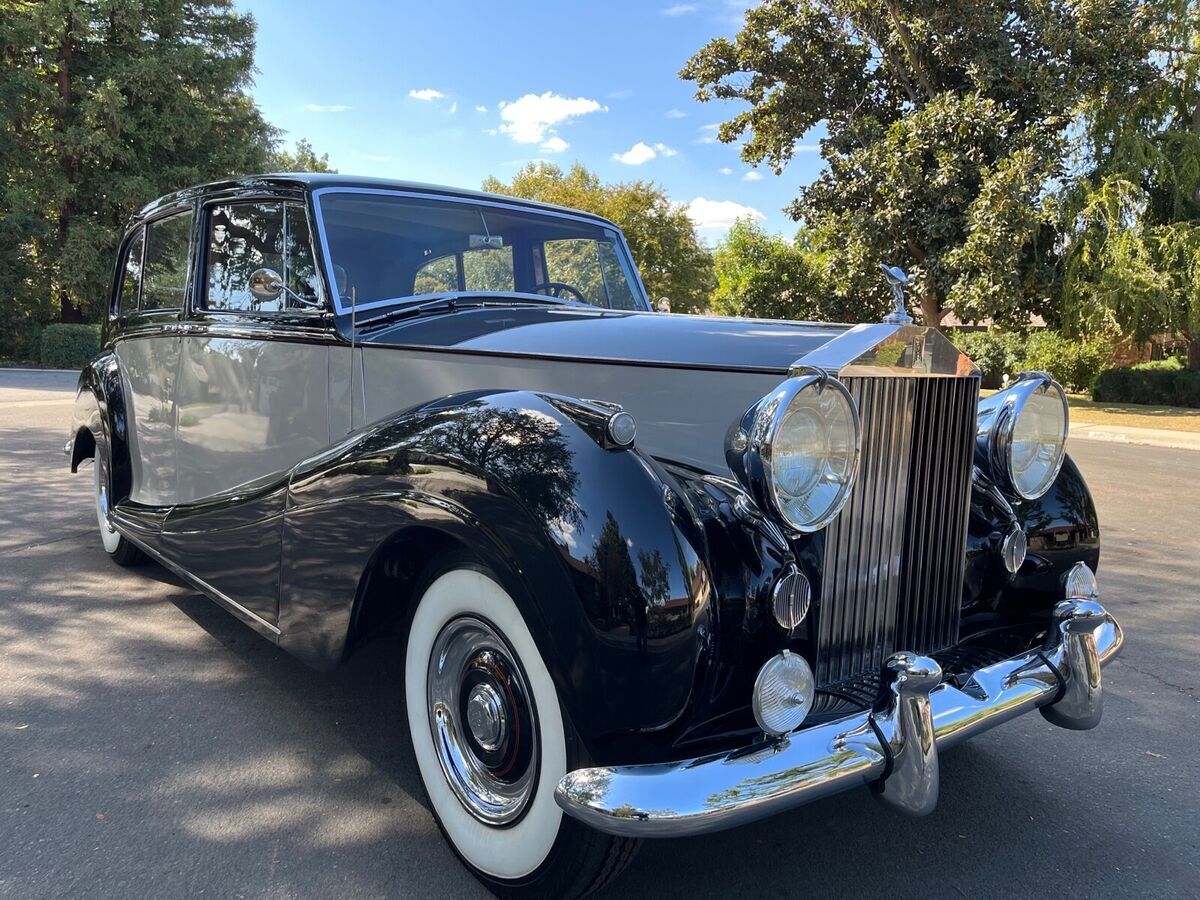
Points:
x=99, y=423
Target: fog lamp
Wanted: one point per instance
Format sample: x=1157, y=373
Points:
x=1081, y=583
x=783, y=694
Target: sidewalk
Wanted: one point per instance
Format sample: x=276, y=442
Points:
x=1127, y=434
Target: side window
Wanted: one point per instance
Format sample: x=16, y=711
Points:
x=245, y=237
x=131, y=276
x=488, y=269
x=437, y=276
x=164, y=275
x=575, y=262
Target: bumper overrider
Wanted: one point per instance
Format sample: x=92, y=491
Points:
x=893, y=748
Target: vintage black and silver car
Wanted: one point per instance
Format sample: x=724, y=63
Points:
x=655, y=574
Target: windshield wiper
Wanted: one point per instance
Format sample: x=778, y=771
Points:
x=452, y=303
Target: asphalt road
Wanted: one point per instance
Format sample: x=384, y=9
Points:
x=152, y=746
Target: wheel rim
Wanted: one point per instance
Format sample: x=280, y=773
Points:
x=482, y=719
x=108, y=534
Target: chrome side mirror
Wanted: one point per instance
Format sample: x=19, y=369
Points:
x=265, y=285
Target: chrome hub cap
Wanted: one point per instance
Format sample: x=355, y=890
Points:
x=485, y=715
x=482, y=719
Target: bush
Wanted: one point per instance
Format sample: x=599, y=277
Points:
x=1163, y=383
x=996, y=354
x=69, y=346
x=1074, y=364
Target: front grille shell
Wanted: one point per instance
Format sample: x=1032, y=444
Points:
x=894, y=557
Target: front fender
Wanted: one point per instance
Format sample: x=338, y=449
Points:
x=597, y=551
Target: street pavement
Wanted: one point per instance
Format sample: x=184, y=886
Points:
x=152, y=746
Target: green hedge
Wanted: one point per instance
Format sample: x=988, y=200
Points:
x=1073, y=362
x=1162, y=383
x=69, y=346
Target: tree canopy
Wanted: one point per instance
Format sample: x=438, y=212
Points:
x=766, y=276
x=947, y=130
x=672, y=261
x=302, y=159
x=1133, y=213
x=108, y=104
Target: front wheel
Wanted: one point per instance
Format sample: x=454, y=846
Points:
x=491, y=743
x=122, y=551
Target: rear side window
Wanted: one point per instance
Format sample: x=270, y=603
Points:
x=245, y=237
x=131, y=276
x=164, y=273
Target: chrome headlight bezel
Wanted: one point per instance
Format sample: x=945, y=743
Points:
x=998, y=416
x=750, y=444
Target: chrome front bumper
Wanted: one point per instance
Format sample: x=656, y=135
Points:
x=895, y=748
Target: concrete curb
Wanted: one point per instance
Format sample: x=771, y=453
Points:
x=1148, y=437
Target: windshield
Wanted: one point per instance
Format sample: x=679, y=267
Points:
x=389, y=247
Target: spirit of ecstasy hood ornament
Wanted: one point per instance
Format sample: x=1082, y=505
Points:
x=896, y=280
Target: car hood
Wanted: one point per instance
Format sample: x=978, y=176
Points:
x=655, y=339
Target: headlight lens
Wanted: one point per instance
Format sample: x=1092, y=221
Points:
x=810, y=451
x=1039, y=440
x=1022, y=437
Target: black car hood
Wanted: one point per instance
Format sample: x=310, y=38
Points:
x=708, y=342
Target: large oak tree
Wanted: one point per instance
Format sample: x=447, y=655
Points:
x=948, y=127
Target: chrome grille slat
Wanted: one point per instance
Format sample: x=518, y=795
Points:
x=894, y=557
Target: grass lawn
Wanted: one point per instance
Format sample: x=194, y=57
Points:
x=1085, y=411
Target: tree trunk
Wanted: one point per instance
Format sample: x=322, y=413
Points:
x=932, y=311
x=1193, y=354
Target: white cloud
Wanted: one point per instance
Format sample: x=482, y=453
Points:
x=636, y=155
x=675, y=114
x=426, y=94
x=622, y=94
x=481, y=108
x=528, y=119
x=752, y=176
x=720, y=214
x=679, y=9
x=317, y=107
x=708, y=133
x=553, y=144
x=664, y=150
x=725, y=170
x=454, y=107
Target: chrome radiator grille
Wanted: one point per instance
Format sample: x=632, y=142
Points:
x=894, y=556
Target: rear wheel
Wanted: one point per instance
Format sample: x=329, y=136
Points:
x=122, y=551
x=491, y=743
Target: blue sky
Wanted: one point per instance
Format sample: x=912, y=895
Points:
x=451, y=92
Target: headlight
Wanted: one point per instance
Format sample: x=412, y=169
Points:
x=1023, y=434
x=797, y=450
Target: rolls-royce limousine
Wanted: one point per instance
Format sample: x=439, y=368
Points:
x=654, y=574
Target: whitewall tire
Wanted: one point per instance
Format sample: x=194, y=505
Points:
x=491, y=742
x=122, y=551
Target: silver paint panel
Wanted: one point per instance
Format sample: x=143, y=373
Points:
x=682, y=414
x=149, y=369
x=247, y=408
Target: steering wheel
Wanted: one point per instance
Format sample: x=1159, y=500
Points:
x=558, y=289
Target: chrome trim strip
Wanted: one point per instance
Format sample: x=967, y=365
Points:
x=721, y=791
